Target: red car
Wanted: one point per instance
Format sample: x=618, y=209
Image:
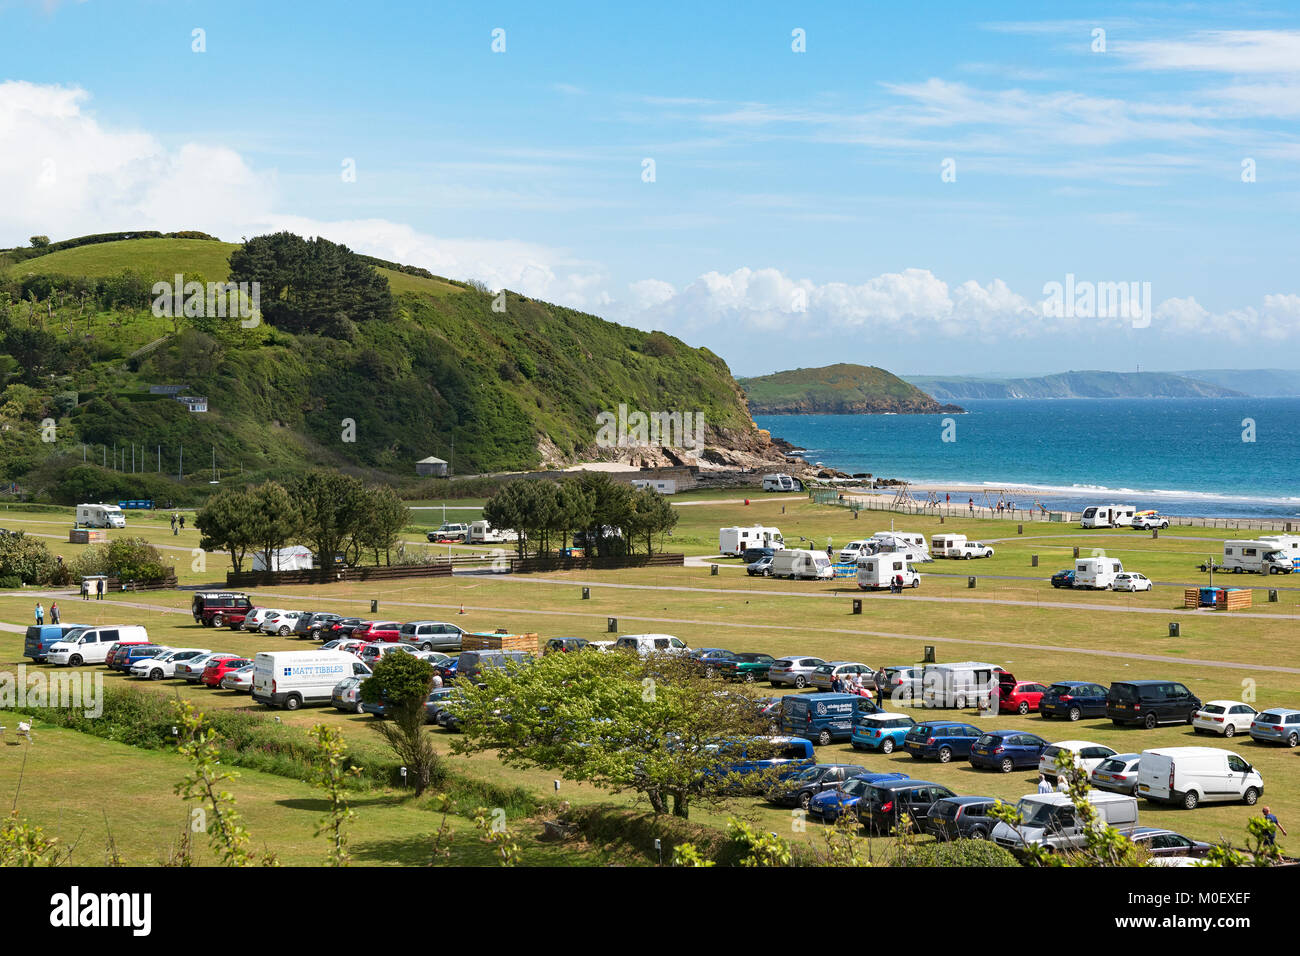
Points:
x=376, y=631
x=218, y=669
x=1020, y=696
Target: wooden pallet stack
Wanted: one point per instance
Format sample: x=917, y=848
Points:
x=500, y=641
x=86, y=535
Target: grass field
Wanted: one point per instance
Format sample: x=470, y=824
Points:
x=1012, y=618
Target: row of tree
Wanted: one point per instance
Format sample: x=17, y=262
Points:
x=330, y=513
x=610, y=517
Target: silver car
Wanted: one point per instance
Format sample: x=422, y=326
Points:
x=845, y=670
x=793, y=671
x=1118, y=774
x=240, y=680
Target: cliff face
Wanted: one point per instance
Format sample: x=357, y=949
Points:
x=839, y=390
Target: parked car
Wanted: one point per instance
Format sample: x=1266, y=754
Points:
x=882, y=805
x=708, y=657
x=973, y=549
x=312, y=624
x=899, y=682
x=799, y=788
x=377, y=632
x=253, y=619
x=881, y=731
x=126, y=656
x=1073, y=699
x=1006, y=750
x=1020, y=696
x=793, y=671
x=753, y=555
x=767, y=753
x=1131, y=581
x=1226, y=718
x=747, y=666
x=1162, y=843
x=829, y=805
x=822, y=674
x=1189, y=776
x=436, y=703
x=564, y=645
x=122, y=647
x=341, y=628
x=961, y=818
x=164, y=665
x=192, y=669
x=1119, y=774
x=1149, y=522
x=761, y=568
x=1087, y=756
x=240, y=680
x=1277, y=725
x=448, y=531
x=940, y=740
x=1063, y=579
x=1151, y=702
x=370, y=653
x=1050, y=821
x=432, y=635
x=219, y=667
x=346, y=695
x=281, y=624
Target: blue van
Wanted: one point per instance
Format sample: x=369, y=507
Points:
x=766, y=753
x=820, y=718
x=41, y=636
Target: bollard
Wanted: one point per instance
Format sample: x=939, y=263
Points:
x=1033, y=560
x=929, y=654
x=1155, y=533
x=970, y=581
x=855, y=516
x=1174, y=629
x=374, y=607
x=1076, y=552
x=1272, y=595
x=611, y=624
x=1020, y=529
x=857, y=605
x=713, y=570
x=586, y=594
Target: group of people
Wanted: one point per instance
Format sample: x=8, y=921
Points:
x=850, y=684
x=177, y=519
x=54, y=613
x=98, y=585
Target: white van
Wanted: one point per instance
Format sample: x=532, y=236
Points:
x=480, y=532
x=89, y=645
x=1107, y=516
x=734, y=541
x=1049, y=820
x=945, y=545
x=290, y=679
x=1098, y=573
x=100, y=516
x=647, y=644
x=852, y=552
x=963, y=684
x=879, y=570
x=797, y=564
x=1190, y=775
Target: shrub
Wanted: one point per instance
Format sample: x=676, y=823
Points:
x=964, y=853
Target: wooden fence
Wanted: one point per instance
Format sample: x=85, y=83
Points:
x=595, y=563
x=253, y=579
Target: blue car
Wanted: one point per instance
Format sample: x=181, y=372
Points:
x=941, y=740
x=829, y=805
x=883, y=732
x=1277, y=725
x=1006, y=750
x=1073, y=699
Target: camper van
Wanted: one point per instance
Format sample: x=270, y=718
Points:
x=1108, y=516
x=1270, y=555
x=779, y=483
x=946, y=545
x=961, y=685
x=1187, y=776
x=290, y=679
x=877, y=572
x=100, y=516
x=734, y=541
x=1096, y=573
x=480, y=532
x=796, y=563
x=910, y=545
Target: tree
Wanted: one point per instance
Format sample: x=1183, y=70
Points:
x=225, y=523
x=273, y=520
x=39, y=242
x=621, y=722
x=611, y=507
x=652, y=515
x=382, y=520
x=26, y=559
x=401, y=682
x=327, y=505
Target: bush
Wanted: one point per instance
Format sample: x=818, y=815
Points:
x=964, y=853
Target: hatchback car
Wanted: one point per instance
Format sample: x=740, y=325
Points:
x=882, y=805
x=375, y=632
x=1007, y=750
x=1072, y=699
x=1119, y=774
x=1063, y=579
x=312, y=625
x=899, y=682
x=341, y=628
x=192, y=670
x=707, y=658
x=1087, y=756
x=883, y=731
x=829, y=805
x=282, y=624
x=844, y=670
x=1020, y=696
x=346, y=695
x=1278, y=725
x=747, y=666
x=941, y=740
x=793, y=671
x=253, y=619
x=217, y=668
x=1224, y=717
x=798, y=789
x=1131, y=581
x=961, y=818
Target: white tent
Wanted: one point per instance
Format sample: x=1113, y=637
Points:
x=294, y=558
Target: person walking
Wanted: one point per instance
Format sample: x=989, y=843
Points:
x=54, y=613
x=182, y=522
x=173, y=523
x=1272, y=837
x=40, y=614
x=85, y=590
x=100, y=584
x=1043, y=785
x=970, y=503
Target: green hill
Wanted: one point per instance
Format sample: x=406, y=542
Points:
x=507, y=390
x=1072, y=385
x=837, y=390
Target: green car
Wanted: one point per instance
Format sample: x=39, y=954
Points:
x=749, y=667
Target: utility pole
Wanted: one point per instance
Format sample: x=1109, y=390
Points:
x=160, y=459
x=180, y=466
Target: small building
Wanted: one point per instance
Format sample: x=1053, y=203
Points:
x=431, y=468
x=195, y=403
x=293, y=558
x=166, y=389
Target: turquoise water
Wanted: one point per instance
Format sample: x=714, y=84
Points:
x=1183, y=456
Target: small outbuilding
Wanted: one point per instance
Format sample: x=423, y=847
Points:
x=431, y=468
x=293, y=558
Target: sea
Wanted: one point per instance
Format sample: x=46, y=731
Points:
x=1231, y=457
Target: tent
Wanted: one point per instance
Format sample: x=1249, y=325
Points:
x=294, y=558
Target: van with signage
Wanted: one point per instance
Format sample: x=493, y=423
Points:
x=821, y=718
x=290, y=679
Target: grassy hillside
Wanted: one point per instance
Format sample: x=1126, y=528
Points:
x=835, y=389
x=1072, y=385
x=445, y=371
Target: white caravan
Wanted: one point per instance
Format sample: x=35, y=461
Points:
x=290, y=679
x=1097, y=573
x=946, y=545
x=1190, y=775
x=100, y=516
x=1271, y=555
x=796, y=563
x=734, y=541
x=1107, y=516
x=480, y=532
x=877, y=571
x=779, y=483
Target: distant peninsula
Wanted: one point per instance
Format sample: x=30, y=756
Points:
x=1072, y=385
x=838, y=390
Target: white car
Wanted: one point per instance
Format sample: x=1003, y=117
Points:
x=1224, y=717
x=164, y=665
x=973, y=549
x=850, y=553
x=449, y=532
x=1088, y=756
x=1148, y=522
x=281, y=623
x=1131, y=581
x=257, y=615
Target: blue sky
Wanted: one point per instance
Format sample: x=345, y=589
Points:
x=798, y=213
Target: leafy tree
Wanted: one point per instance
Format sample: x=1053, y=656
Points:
x=273, y=520
x=652, y=515
x=36, y=351
x=27, y=559
x=401, y=682
x=39, y=242
x=381, y=521
x=510, y=507
x=225, y=523
x=327, y=505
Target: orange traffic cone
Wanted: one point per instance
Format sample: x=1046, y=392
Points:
x=462, y=609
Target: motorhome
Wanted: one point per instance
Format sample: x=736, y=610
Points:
x=946, y=545
x=1270, y=555
x=878, y=571
x=779, y=483
x=665, y=486
x=480, y=532
x=100, y=516
x=1096, y=573
x=961, y=685
x=796, y=563
x=734, y=541
x=290, y=679
x=1108, y=516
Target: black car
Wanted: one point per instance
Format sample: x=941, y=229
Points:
x=961, y=818
x=753, y=554
x=313, y=624
x=1073, y=699
x=1063, y=579
x=882, y=805
x=799, y=788
x=340, y=629
x=1151, y=702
